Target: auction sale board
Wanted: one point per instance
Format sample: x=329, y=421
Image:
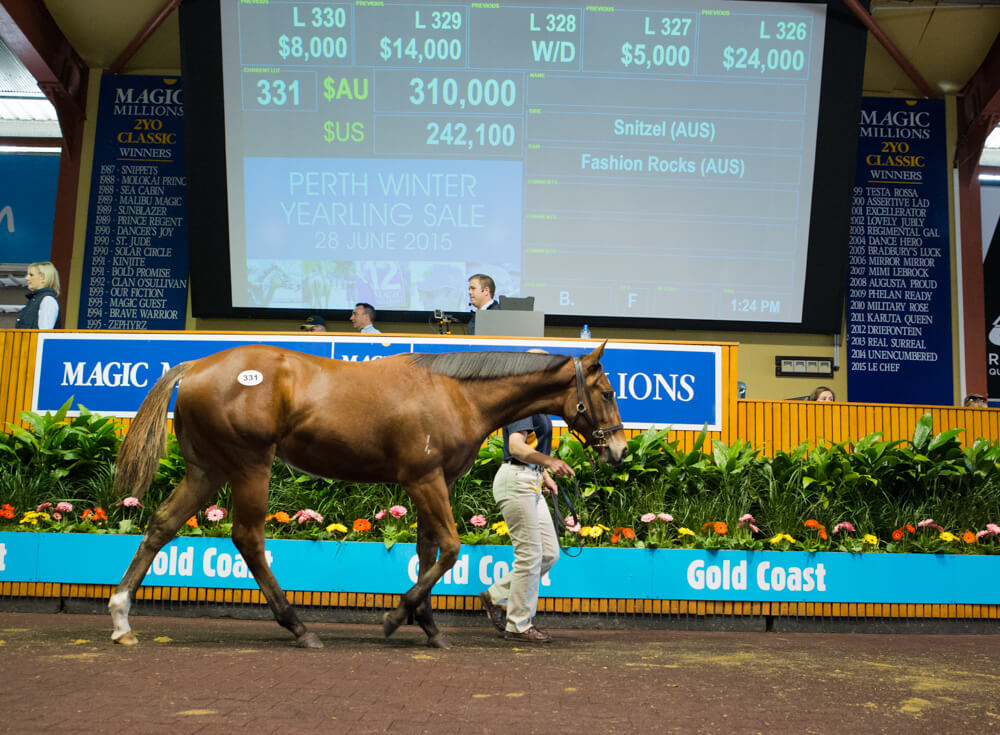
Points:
x=135, y=266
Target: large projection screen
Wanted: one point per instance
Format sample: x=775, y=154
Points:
x=661, y=165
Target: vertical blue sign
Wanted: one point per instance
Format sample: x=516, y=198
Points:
x=899, y=277
x=27, y=207
x=135, y=266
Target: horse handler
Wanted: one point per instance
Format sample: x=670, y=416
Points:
x=517, y=489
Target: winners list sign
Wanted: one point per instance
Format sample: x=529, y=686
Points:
x=899, y=278
x=135, y=267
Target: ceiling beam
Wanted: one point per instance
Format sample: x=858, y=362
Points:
x=142, y=36
x=876, y=30
x=33, y=36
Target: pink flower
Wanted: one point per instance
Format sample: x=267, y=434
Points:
x=397, y=511
x=130, y=502
x=573, y=527
x=478, y=520
x=41, y=507
x=980, y=534
x=926, y=522
x=380, y=515
x=844, y=526
x=647, y=517
x=57, y=516
x=64, y=507
x=665, y=517
x=993, y=528
x=215, y=513
x=306, y=515
x=747, y=518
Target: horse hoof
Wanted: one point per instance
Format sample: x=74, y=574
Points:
x=389, y=624
x=438, y=641
x=126, y=639
x=309, y=640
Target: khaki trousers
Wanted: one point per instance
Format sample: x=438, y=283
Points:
x=517, y=491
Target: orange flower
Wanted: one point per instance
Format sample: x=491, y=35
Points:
x=193, y=521
x=910, y=528
x=281, y=517
x=362, y=524
x=812, y=523
x=95, y=515
x=897, y=534
x=621, y=532
x=7, y=511
x=969, y=537
x=720, y=528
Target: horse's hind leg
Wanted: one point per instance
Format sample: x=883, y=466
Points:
x=183, y=503
x=249, y=512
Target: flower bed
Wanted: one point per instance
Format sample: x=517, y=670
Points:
x=927, y=494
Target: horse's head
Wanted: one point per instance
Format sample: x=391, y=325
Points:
x=594, y=413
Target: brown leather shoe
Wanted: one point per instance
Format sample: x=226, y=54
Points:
x=496, y=614
x=531, y=635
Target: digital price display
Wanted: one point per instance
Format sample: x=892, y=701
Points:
x=627, y=160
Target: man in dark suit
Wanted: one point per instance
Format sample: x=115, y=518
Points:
x=482, y=295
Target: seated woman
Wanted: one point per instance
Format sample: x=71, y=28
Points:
x=822, y=393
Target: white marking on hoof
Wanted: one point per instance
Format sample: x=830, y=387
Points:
x=427, y=446
x=119, y=605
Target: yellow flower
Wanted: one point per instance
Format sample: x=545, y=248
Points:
x=336, y=527
x=782, y=537
x=685, y=532
x=500, y=527
x=947, y=536
x=414, y=524
x=603, y=527
x=33, y=516
x=595, y=531
x=869, y=539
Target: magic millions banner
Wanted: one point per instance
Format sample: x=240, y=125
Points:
x=899, y=274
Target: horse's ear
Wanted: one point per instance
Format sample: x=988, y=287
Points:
x=598, y=351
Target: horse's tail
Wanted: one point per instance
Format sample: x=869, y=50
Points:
x=146, y=440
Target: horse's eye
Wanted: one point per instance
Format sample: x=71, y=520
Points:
x=608, y=395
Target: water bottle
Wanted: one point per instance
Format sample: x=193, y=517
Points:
x=585, y=332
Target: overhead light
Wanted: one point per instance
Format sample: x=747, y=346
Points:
x=803, y=367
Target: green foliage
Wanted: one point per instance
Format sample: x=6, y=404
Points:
x=660, y=496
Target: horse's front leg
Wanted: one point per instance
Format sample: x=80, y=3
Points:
x=436, y=533
x=427, y=552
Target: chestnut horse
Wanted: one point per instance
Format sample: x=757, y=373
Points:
x=415, y=419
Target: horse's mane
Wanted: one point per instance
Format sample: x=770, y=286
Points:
x=474, y=365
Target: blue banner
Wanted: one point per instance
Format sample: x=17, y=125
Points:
x=655, y=384
x=597, y=573
x=135, y=265
x=899, y=274
x=27, y=207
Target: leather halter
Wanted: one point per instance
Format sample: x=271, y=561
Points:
x=599, y=434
